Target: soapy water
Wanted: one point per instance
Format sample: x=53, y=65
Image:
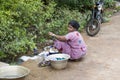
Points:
x=58, y=59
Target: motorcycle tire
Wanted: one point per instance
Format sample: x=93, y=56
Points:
x=93, y=27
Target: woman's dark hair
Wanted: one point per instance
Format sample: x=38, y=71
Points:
x=74, y=24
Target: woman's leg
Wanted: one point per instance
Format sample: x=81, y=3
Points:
x=62, y=47
x=65, y=48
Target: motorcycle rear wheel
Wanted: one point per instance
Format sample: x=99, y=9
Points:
x=93, y=27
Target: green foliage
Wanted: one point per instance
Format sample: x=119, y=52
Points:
x=118, y=8
x=15, y=17
x=109, y=3
x=81, y=5
x=61, y=18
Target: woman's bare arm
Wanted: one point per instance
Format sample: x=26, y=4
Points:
x=61, y=38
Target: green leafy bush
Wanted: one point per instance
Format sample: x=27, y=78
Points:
x=109, y=3
x=83, y=5
x=15, y=19
x=61, y=18
x=80, y=5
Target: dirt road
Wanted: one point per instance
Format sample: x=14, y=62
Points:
x=100, y=63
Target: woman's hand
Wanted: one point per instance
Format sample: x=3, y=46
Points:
x=51, y=34
x=61, y=38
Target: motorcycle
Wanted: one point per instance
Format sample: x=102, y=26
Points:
x=93, y=24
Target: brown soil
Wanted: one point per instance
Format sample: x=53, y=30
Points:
x=100, y=63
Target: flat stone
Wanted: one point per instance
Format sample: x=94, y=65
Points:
x=3, y=64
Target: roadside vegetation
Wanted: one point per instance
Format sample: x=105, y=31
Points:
x=26, y=23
